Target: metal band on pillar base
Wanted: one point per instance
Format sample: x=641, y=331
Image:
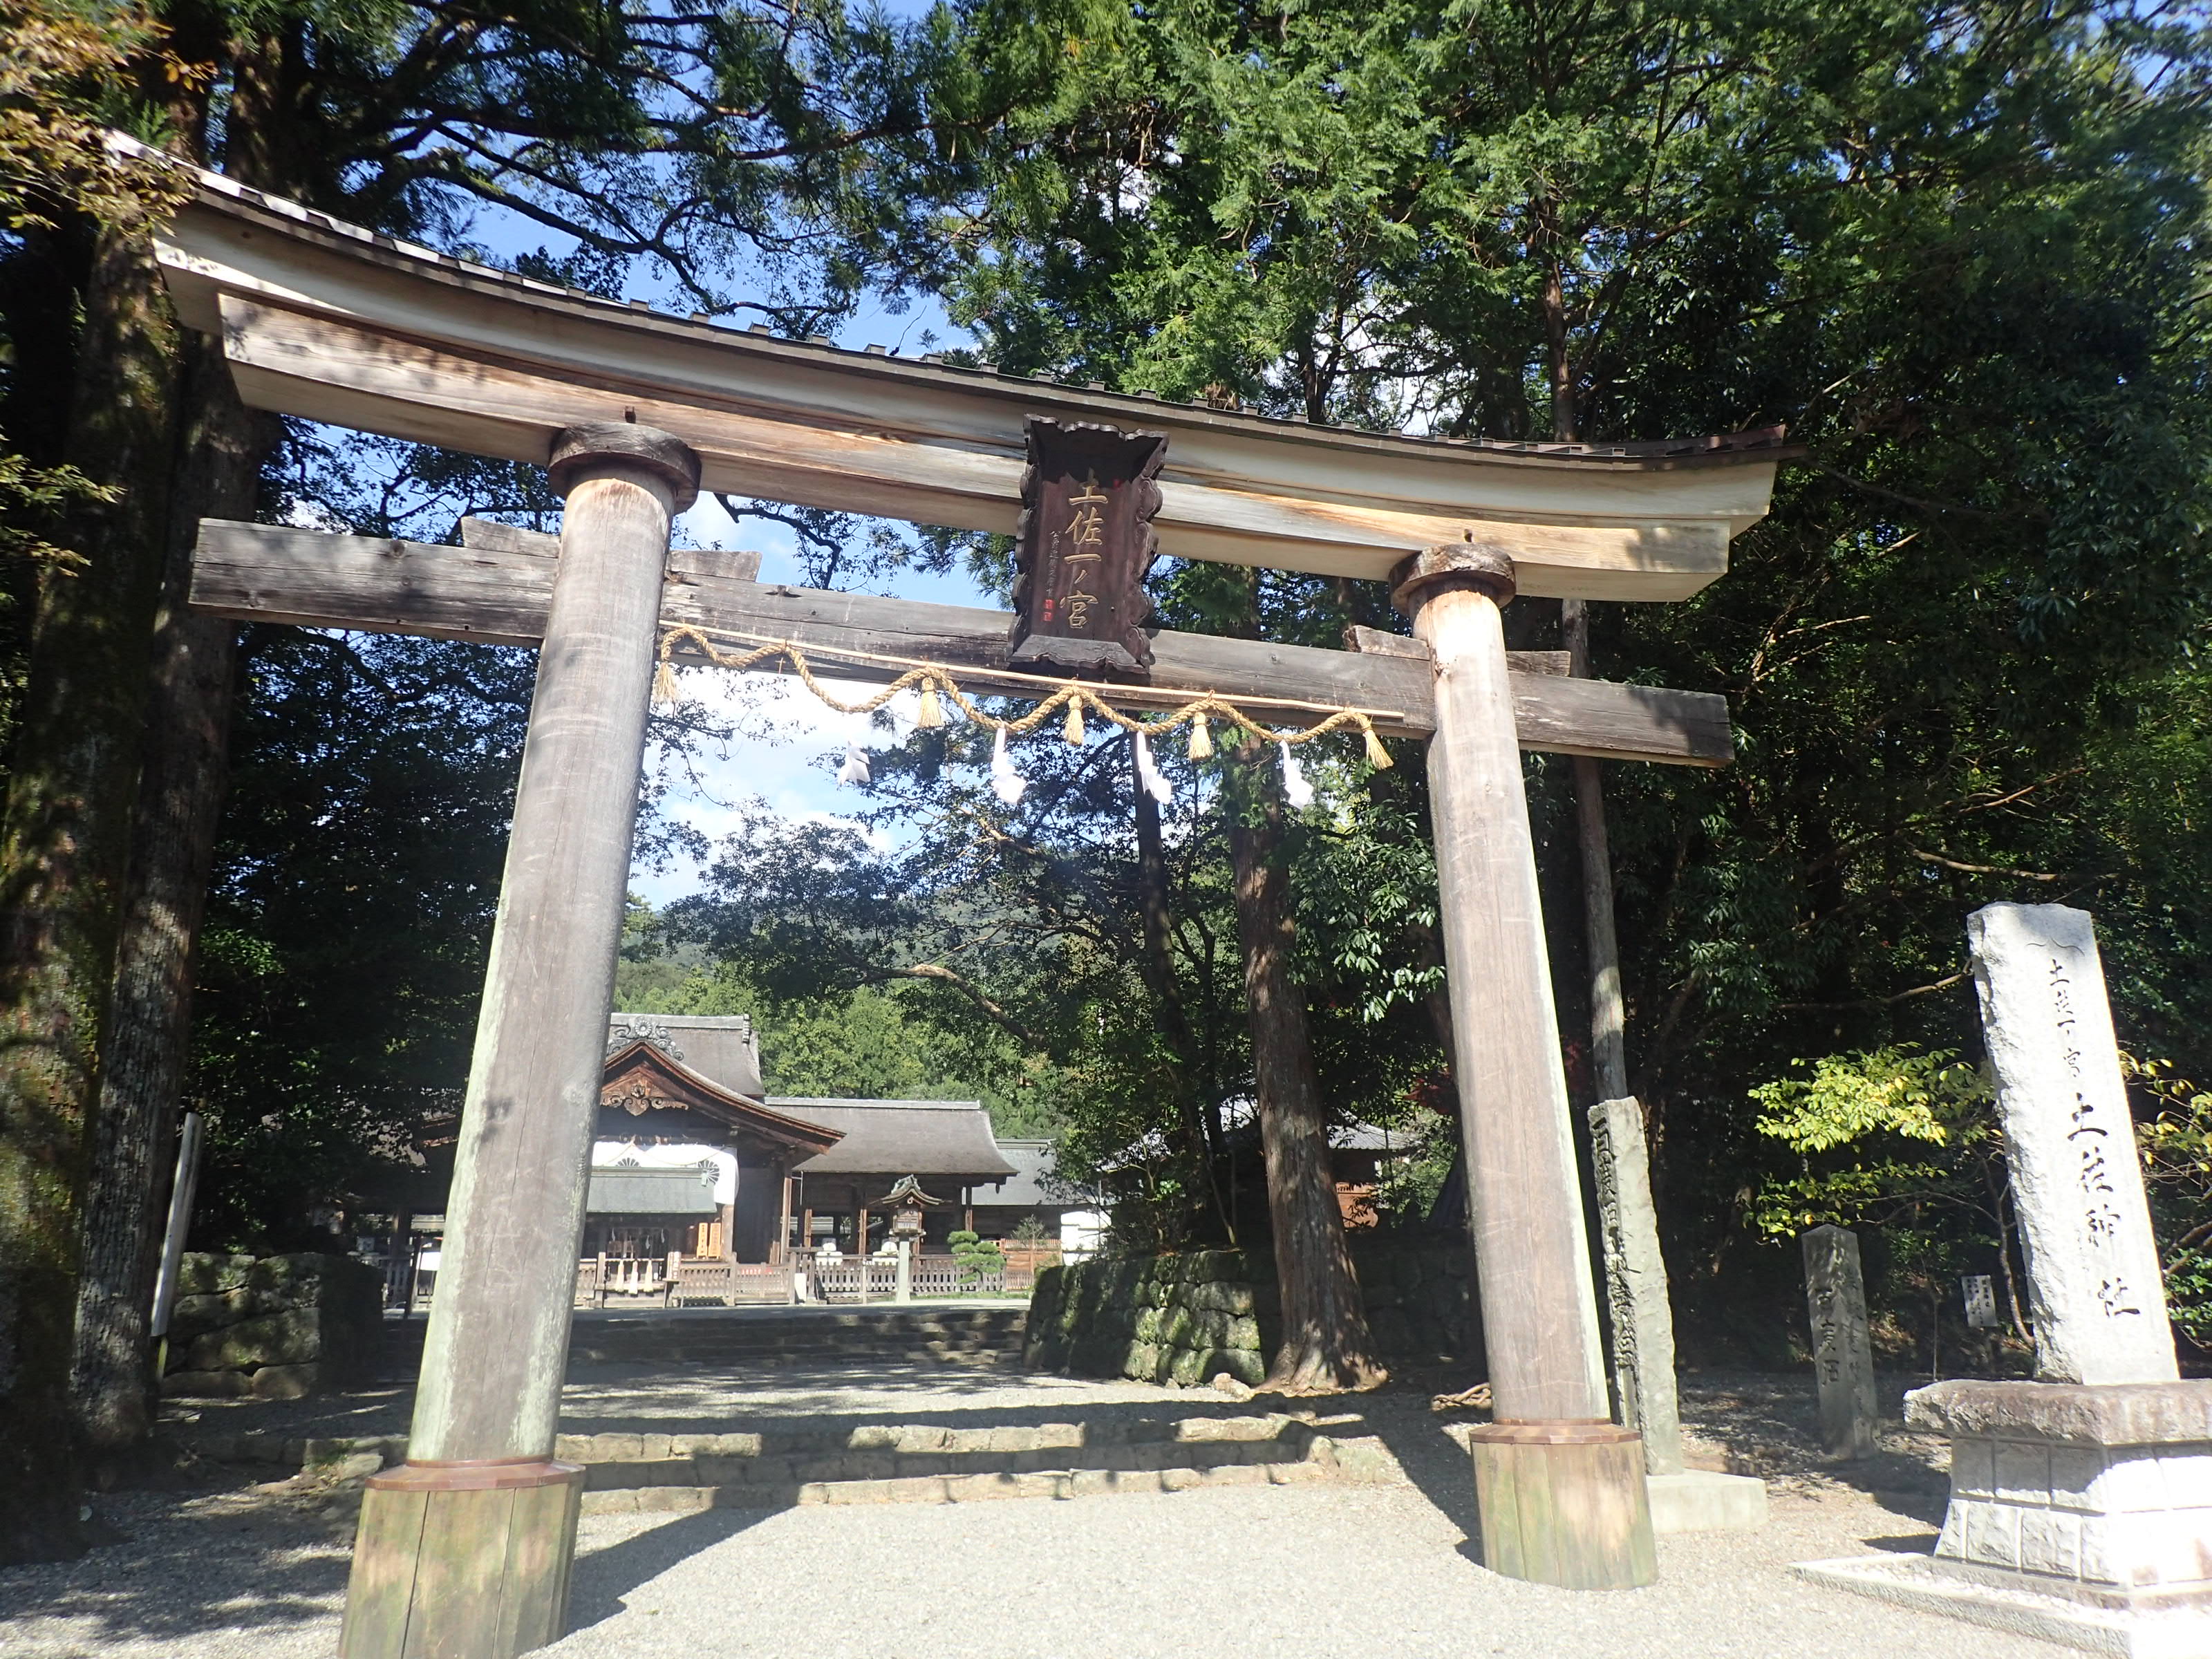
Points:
x=1560, y=1489
x=466, y=1552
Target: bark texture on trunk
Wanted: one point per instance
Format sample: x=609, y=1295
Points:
x=1608, y=1013
x=1200, y=1115
x=65, y=841
x=143, y=1054
x=1325, y=1345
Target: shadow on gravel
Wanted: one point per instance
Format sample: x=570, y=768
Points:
x=1437, y=1464
x=1768, y=1423
x=605, y=1577
x=180, y=1571
x=1913, y=1543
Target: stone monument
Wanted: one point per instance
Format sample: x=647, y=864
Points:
x=2095, y=1293
x=2081, y=1507
x=1682, y=1499
x=1636, y=1283
x=1843, y=1353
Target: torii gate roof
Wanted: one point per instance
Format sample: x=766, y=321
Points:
x=331, y=322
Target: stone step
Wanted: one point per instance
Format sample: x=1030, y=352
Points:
x=981, y=1486
x=710, y=1347
x=797, y=1463
x=1015, y=1464
x=980, y=1336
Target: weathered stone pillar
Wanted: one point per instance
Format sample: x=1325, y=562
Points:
x=1636, y=1283
x=1843, y=1350
x=465, y=1551
x=1559, y=1485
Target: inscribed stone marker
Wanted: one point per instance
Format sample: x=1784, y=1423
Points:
x=1636, y=1283
x=1842, y=1355
x=2097, y=1298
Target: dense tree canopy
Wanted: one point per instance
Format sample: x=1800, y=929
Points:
x=1957, y=248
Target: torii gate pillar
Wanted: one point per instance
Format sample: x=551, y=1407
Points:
x=463, y=1553
x=1559, y=1487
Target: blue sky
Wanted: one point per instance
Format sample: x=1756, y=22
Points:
x=790, y=743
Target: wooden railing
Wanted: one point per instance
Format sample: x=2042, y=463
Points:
x=681, y=1281
x=709, y=1284
x=706, y=1282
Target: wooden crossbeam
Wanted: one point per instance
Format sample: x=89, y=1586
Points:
x=495, y=591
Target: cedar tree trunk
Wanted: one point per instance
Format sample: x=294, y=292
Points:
x=173, y=845
x=1327, y=1346
x=1200, y=1114
x=65, y=841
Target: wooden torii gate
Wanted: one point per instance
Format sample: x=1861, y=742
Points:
x=465, y=1550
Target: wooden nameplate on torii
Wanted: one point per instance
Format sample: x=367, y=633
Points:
x=1085, y=543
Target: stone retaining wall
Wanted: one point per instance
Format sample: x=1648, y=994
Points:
x=1186, y=1318
x=275, y=1327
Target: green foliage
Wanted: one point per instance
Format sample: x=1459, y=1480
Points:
x=1017, y=940
x=1905, y=1142
x=973, y=1257
x=1936, y=1097
x=342, y=956
x=1955, y=246
x=2175, y=1141
x=1913, y=1128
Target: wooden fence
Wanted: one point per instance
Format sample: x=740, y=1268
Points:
x=677, y=1281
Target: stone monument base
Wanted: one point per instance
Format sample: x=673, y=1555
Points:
x=2082, y=1515
x=1960, y=1591
x=1700, y=1500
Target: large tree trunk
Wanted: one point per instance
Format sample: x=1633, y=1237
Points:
x=64, y=841
x=148, y=1024
x=1199, y=1112
x=1327, y=1346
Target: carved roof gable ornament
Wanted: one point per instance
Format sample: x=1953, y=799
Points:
x=643, y=1028
x=906, y=1190
x=1083, y=544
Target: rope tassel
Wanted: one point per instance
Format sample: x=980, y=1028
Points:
x=663, y=683
x=1149, y=776
x=1200, y=746
x=1377, y=755
x=1007, y=783
x=855, y=768
x=1073, y=730
x=932, y=712
x=1296, y=790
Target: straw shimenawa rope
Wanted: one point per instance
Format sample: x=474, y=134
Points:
x=935, y=681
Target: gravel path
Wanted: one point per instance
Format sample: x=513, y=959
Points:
x=209, y=1571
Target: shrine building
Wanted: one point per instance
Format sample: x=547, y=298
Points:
x=691, y=1155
